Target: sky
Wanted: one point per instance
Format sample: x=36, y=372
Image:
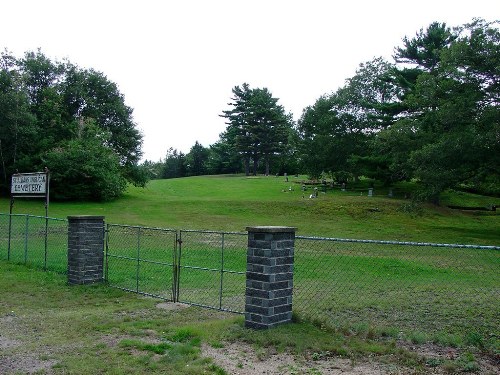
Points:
x=176, y=62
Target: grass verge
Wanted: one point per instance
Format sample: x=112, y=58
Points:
x=48, y=326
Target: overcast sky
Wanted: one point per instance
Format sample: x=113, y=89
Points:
x=177, y=61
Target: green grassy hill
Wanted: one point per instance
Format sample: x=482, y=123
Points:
x=235, y=202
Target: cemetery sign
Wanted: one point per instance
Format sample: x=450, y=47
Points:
x=29, y=185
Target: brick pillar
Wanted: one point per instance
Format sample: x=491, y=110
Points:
x=85, y=249
x=269, y=284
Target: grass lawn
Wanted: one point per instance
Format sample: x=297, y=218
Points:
x=374, y=296
x=47, y=326
x=235, y=202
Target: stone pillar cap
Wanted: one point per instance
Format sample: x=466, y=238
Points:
x=271, y=229
x=85, y=217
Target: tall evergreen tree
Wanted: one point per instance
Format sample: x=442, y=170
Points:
x=257, y=125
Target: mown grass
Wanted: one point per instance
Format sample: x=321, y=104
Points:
x=235, y=202
x=415, y=290
x=441, y=295
x=96, y=329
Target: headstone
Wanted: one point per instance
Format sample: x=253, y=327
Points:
x=370, y=192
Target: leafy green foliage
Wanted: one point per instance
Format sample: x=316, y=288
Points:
x=46, y=107
x=84, y=168
x=432, y=117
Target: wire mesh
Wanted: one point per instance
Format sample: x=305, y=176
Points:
x=348, y=284
x=141, y=259
x=212, y=269
x=400, y=286
x=4, y=235
x=35, y=240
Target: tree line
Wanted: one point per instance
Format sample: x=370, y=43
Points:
x=73, y=121
x=259, y=134
x=431, y=115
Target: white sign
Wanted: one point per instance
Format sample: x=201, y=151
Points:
x=29, y=183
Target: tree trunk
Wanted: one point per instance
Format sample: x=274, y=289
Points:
x=247, y=165
x=267, y=165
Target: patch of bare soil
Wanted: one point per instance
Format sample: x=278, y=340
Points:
x=13, y=361
x=170, y=306
x=241, y=359
x=25, y=364
x=486, y=365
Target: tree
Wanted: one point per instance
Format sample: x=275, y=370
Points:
x=89, y=94
x=424, y=50
x=336, y=131
x=196, y=160
x=175, y=164
x=257, y=125
x=18, y=130
x=223, y=158
x=459, y=114
x=85, y=169
x=43, y=106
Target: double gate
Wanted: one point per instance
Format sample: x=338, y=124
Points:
x=204, y=268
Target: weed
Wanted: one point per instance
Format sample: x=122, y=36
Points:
x=185, y=335
x=418, y=337
x=137, y=344
x=433, y=362
x=412, y=208
x=217, y=370
x=216, y=345
x=467, y=362
x=446, y=339
x=474, y=339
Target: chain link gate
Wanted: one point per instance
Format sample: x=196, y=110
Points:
x=203, y=268
x=212, y=269
x=142, y=260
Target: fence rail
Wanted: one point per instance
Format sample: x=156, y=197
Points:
x=437, y=289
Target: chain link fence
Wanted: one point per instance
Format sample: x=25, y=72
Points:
x=394, y=287
x=397, y=287
x=38, y=241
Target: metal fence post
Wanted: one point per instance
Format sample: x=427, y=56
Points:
x=26, y=240
x=46, y=241
x=174, y=268
x=221, y=272
x=10, y=235
x=138, y=257
x=106, y=247
x=177, y=266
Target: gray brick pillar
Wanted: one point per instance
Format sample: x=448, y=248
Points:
x=85, y=249
x=269, y=284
